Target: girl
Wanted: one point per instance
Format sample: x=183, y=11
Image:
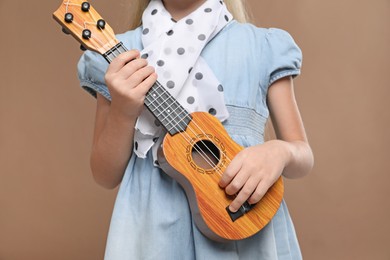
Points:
x=210, y=62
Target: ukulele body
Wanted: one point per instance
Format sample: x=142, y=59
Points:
x=200, y=177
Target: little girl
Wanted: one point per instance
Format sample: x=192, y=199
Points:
x=205, y=55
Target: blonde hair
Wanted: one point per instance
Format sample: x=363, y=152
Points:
x=236, y=7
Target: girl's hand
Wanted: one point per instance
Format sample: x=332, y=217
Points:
x=128, y=79
x=253, y=171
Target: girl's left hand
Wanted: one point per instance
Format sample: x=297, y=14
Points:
x=253, y=171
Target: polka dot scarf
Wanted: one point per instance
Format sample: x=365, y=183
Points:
x=173, y=48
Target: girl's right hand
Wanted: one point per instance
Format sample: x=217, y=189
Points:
x=128, y=79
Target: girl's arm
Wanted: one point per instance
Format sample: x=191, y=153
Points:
x=255, y=169
x=128, y=79
x=289, y=128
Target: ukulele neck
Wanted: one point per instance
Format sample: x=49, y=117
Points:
x=164, y=107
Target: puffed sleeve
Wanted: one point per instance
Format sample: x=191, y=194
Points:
x=284, y=57
x=91, y=70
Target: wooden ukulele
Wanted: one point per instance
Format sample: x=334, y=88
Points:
x=196, y=149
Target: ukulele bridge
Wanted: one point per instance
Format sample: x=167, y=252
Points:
x=240, y=212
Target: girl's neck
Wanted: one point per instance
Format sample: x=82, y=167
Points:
x=181, y=8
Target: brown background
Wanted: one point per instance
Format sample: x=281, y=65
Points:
x=50, y=208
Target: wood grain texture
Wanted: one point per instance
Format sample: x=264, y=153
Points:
x=101, y=41
x=207, y=200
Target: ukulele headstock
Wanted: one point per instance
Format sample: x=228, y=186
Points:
x=81, y=20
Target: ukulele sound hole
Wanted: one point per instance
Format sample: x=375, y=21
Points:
x=205, y=154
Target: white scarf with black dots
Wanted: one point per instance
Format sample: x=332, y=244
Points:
x=174, y=49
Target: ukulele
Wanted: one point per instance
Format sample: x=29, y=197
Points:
x=196, y=149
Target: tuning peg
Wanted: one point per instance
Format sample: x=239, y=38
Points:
x=86, y=34
x=68, y=17
x=64, y=30
x=82, y=48
x=85, y=6
x=101, y=24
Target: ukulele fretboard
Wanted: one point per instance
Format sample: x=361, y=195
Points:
x=165, y=108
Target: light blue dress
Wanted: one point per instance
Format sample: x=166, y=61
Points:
x=151, y=217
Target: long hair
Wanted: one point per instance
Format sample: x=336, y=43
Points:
x=137, y=7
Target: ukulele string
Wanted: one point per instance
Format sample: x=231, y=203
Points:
x=178, y=106
x=186, y=136
x=200, y=151
x=67, y=4
x=176, y=127
x=194, y=132
x=116, y=51
x=92, y=38
x=108, y=37
x=205, y=157
x=197, y=148
x=85, y=24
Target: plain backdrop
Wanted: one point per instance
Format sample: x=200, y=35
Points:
x=50, y=207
